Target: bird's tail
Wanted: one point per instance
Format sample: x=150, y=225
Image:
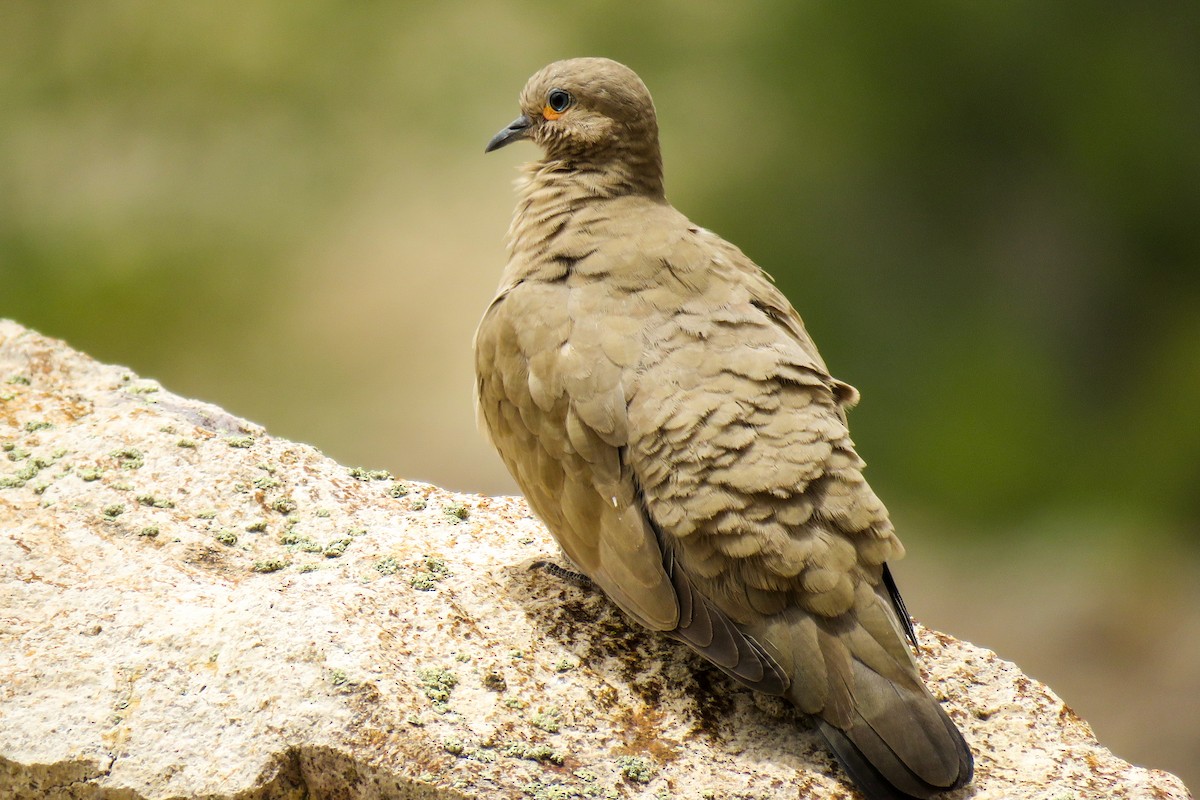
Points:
x=856, y=676
x=919, y=759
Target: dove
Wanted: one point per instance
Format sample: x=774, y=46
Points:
x=667, y=416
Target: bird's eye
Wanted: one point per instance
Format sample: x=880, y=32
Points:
x=558, y=100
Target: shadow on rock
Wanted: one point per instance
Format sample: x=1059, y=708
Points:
x=639, y=667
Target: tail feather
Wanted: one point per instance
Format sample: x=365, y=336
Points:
x=853, y=673
x=862, y=772
x=894, y=740
x=882, y=773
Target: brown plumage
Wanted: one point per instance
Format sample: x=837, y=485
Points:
x=666, y=414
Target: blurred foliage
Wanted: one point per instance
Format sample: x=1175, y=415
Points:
x=986, y=212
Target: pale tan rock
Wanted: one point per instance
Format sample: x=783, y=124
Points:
x=405, y=649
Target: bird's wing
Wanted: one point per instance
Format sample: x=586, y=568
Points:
x=550, y=394
x=739, y=444
x=738, y=441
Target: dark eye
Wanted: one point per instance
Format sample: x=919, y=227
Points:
x=558, y=100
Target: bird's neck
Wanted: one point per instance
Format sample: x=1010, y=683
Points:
x=583, y=179
x=554, y=191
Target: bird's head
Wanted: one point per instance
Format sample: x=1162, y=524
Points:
x=588, y=111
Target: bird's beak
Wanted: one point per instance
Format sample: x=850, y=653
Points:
x=517, y=129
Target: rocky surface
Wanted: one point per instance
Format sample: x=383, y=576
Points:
x=191, y=608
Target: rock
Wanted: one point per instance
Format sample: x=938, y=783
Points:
x=193, y=608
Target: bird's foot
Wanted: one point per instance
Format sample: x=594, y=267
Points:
x=561, y=572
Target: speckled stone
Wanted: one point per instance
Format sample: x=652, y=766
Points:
x=191, y=608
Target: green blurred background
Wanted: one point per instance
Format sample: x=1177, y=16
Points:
x=988, y=214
